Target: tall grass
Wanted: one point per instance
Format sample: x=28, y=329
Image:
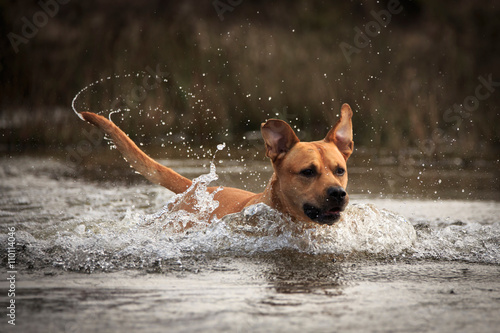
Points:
x=265, y=59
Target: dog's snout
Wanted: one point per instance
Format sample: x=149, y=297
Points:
x=336, y=193
x=328, y=212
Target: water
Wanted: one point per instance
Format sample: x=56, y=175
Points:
x=102, y=254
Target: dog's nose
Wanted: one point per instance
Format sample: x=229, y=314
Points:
x=336, y=193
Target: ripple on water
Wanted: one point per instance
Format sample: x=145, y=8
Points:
x=117, y=240
x=139, y=241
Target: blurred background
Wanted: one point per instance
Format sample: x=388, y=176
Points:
x=423, y=80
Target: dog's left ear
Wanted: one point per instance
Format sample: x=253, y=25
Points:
x=279, y=138
x=341, y=133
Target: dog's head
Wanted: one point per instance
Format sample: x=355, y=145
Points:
x=310, y=177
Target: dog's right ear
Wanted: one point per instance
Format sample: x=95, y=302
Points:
x=279, y=138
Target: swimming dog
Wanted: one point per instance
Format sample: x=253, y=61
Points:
x=309, y=180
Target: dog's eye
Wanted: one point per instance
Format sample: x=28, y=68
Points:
x=308, y=172
x=340, y=171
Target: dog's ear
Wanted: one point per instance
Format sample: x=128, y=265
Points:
x=341, y=133
x=278, y=136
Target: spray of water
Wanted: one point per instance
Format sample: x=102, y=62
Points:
x=102, y=81
x=140, y=240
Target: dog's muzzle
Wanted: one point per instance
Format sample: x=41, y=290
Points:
x=335, y=202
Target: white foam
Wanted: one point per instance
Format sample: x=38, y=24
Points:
x=100, y=233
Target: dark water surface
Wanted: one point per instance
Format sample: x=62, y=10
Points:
x=416, y=251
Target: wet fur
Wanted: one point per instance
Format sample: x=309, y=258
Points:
x=288, y=190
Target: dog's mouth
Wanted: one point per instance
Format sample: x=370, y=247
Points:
x=323, y=216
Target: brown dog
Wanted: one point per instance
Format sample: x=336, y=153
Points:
x=308, y=182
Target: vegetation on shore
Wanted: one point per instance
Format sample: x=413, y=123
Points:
x=411, y=84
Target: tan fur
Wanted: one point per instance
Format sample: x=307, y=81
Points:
x=287, y=191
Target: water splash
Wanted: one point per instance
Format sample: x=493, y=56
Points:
x=173, y=218
x=470, y=241
x=138, y=241
x=100, y=229
x=84, y=89
x=362, y=228
x=176, y=219
x=112, y=78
